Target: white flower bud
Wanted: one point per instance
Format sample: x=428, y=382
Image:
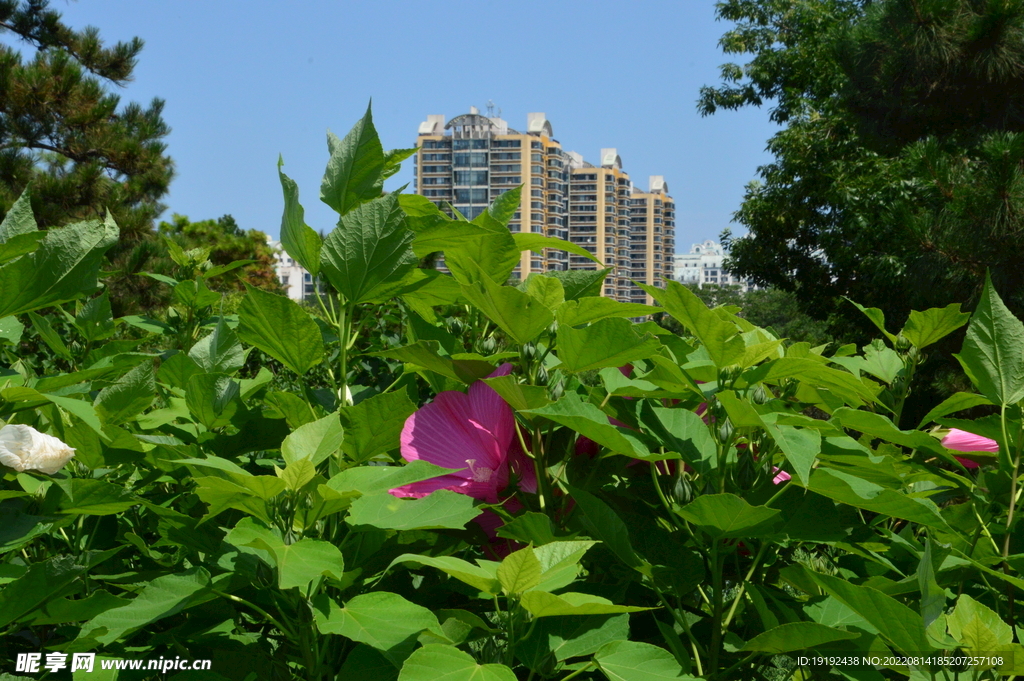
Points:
x=24, y=448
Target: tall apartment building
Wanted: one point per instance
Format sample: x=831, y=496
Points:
x=599, y=214
x=472, y=159
x=653, y=245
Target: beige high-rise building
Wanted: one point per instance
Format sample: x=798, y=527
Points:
x=653, y=240
x=472, y=159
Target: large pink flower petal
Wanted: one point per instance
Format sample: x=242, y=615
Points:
x=491, y=411
x=445, y=433
x=962, y=441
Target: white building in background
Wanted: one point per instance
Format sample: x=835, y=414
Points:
x=297, y=282
x=703, y=265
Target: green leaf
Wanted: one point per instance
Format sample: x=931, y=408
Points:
x=977, y=627
x=19, y=218
x=94, y=320
x=67, y=610
x=519, y=571
x=220, y=352
x=560, y=562
x=721, y=338
x=924, y=328
x=368, y=250
x=800, y=445
x=477, y=577
x=128, y=396
x=844, y=384
x=377, y=479
x=991, y=353
x=531, y=241
x=435, y=231
x=520, y=315
x=603, y=524
x=88, y=496
x=281, y=328
x=876, y=316
x=518, y=395
x=566, y=637
x=795, y=636
x=580, y=284
x=547, y=290
x=380, y=619
x=177, y=369
x=728, y=516
x=442, y=509
x=11, y=330
x=393, y=160
x=502, y=208
x=632, y=661
x=860, y=493
x=544, y=604
x=63, y=267
x=163, y=597
x=42, y=582
x=903, y=627
x=952, y=404
x=299, y=564
x=374, y=426
x=355, y=172
x=489, y=255
x=50, y=337
x=313, y=441
x=213, y=399
x=426, y=354
x=297, y=238
x=605, y=343
x=586, y=310
x=447, y=663
x=529, y=528
x=588, y=420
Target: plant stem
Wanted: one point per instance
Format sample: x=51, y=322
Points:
x=267, y=616
x=578, y=671
x=743, y=585
x=716, y=608
x=344, y=329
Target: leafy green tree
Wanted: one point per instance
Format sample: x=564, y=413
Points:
x=62, y=132
x=227, y=243
x=897, y=177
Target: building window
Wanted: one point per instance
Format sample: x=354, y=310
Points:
x=307, y=277
x=284, y=280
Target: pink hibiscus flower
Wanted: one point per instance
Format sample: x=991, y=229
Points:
x=962, y=441
x=473, y=432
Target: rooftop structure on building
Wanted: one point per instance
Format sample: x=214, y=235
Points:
x=472, y=159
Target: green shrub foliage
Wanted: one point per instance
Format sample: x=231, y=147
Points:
x=429, y=475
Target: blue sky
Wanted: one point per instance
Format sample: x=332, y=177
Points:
x=247, y=80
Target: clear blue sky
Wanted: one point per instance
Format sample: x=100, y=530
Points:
x=247, y=80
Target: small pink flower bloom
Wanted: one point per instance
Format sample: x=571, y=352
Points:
x=469, y=431
x=962, y=441
x=781, y=476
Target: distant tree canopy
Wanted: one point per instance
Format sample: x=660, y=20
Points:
x=62, y=132
x=898, y=177
x=227, y=243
